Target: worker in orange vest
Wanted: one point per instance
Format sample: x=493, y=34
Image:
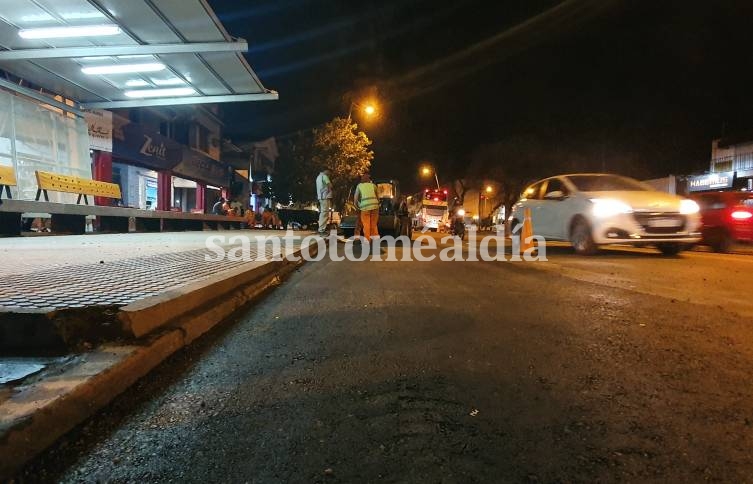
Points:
x=367, y=202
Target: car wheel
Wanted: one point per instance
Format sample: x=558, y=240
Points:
x=581, y=238
x=348, y=233
x=670, y=248
x=721, y=241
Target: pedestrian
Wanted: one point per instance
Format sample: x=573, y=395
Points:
x=269, y=218
x=226, y=208
x=237, y=207
x=217, y=208
x=367, y=202
x=250, y=217
x=324, y=194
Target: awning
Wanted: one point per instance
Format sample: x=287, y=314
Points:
x=126, y=53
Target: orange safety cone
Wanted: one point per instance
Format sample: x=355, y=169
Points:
x=526, y=234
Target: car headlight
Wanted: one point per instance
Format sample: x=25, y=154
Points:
x=461, y=213
x=607, y=207
x=688, y=206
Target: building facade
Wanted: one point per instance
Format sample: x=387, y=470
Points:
x=168, y=159
x=731, y=165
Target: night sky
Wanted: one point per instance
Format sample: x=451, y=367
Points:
x=634, y=87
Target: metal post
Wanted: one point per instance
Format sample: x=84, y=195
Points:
x=102, y=171
x=164, y=190
x=201, y=196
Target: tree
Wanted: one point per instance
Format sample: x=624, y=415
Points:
x=459, y=187
x=336, y=145
x=339, y=146
x=295, y=173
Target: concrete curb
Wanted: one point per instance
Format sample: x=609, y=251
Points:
x=38, y=414
x=146, y=315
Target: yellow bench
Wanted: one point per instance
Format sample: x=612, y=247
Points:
x=73, y=184
x=7, y=180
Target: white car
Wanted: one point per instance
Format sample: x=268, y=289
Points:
x=592, y=209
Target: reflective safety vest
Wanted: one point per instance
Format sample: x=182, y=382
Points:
x=368, y=198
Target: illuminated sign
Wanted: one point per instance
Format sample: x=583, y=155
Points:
x=712, y=181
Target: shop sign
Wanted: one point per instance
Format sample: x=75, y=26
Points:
x=99, y=122
x=134, y=143
x=712, y=181
x=200, y=167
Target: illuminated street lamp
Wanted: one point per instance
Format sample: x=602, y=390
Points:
x=489, y=189
x=369, y=109
x=427, y=170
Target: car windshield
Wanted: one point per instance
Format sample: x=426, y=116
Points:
x=385, y=190
x=606, y=183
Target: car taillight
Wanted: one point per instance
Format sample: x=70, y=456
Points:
x=741, y=215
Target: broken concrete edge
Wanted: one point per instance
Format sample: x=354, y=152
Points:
x=37, y=415
x=55, y=330
x=44, y=331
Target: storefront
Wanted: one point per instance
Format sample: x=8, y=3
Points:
x=155, y=172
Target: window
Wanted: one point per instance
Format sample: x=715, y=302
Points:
x=533, y=192
x=710, y=202
x=607, y=183
x=33, y=137
x=202, y=138
x=180, y=133
x=725, y=165
x=385, y=190
x=556, y=185
x=166, y=129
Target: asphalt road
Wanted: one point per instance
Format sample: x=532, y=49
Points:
x=624, y=366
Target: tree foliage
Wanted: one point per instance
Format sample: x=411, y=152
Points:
x=295, y=173
x=339, y=146
x=336, y=145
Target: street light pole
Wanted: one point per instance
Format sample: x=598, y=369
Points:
x=429, y=168
x=369, y=110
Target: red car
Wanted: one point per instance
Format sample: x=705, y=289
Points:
x=727, y=217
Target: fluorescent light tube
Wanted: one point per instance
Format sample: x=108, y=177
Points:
x=173, y=81
x=176, y=91
x=64, y=32
x=123, y=68
x=136, y=83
